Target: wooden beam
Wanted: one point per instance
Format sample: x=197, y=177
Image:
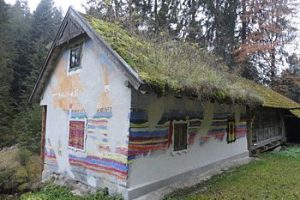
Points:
x=249, y=114
x=43, y=136
x=266, y=142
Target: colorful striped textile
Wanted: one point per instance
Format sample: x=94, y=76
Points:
x=101, y=165
x=143, y=140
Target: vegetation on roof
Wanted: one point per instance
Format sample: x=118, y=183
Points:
x=181, y=67
x=270, y=98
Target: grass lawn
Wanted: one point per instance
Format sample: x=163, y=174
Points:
x=272, y=176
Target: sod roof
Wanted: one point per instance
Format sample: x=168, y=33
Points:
x=167, y=65
x=271, y=98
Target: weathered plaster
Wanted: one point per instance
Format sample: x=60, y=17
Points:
x=152, y=158
x=97, y=94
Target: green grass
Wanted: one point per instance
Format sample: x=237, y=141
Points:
x=272, y=176
x=52, y=192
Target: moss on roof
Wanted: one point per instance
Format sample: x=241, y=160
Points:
x=270, y=98
x=168, y=65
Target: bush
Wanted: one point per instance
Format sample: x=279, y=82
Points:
x=51, y=192
x=19, y=172
x=27, y=127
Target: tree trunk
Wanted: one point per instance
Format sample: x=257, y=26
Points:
x=244, y=23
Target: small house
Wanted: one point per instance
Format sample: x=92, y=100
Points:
x=135, y=115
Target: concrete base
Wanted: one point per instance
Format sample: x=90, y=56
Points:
x=158, y=189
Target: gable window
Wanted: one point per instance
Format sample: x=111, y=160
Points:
x=180, y=136
x=77, y=134
x=231, y=133
x=75, y=57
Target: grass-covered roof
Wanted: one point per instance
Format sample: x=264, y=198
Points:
x=180, y=67
x=270, y=98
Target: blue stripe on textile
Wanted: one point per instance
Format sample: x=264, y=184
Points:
x=103, y=115
x=148, y=133
x=102, y=162
x=97, y=127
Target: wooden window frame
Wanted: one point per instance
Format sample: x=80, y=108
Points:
x=173, y=138
x=43, y=136
x=77, y=46
x=84, y=135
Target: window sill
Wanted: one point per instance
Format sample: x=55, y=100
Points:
x=74, y=70
x=181, y=152
x=76, y=149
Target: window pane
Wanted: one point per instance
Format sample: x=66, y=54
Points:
x=180, y=137
x=75, y=57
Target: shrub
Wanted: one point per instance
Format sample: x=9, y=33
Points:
x=51, y=192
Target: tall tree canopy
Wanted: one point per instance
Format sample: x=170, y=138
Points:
x=265, y=31
x=289, y=82
x=5, y=77
x=24, y=39
x=249, y=35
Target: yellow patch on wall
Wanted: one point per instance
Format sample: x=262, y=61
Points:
x=105, y=100
x=67, y=90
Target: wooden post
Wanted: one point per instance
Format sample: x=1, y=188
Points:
x=249, y=126
x=43, y=132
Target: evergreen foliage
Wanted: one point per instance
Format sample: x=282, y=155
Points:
x=6, y=135
x=25, y=39
x=50, y=192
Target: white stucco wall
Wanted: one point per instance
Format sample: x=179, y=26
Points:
x=116, y=153
x=148, y=166
x=97, y=94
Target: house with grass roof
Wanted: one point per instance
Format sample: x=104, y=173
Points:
x=136, y=114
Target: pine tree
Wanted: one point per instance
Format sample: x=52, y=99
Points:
x=20, y=26
x=45, y=23
x=6, y=136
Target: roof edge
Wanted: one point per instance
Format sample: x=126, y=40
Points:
x=33, y=96
x=132, y=75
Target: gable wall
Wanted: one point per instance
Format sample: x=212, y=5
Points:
x=152, y=158
x=97, y=94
